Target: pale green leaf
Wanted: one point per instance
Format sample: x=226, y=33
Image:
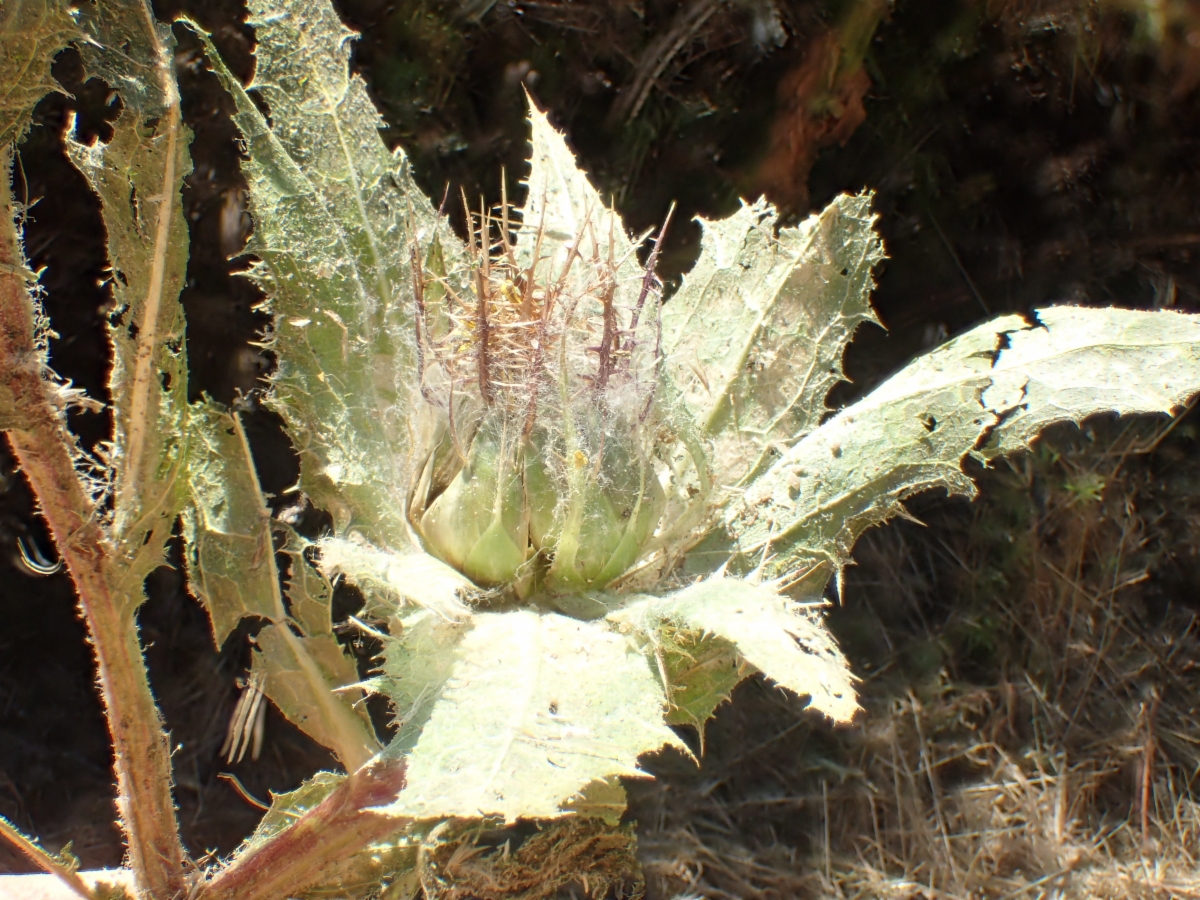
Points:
x=309, y=593
x=597, y=384
x=418, y=660
x=1083, y=361
x=476, y=524
x=335, y=216
x=1004, y=378
x=564, y=207
x=32, y=32
x=138, y=176
x=785, y=640
x=395, y=579
x=301, y=673
x=287, y=807
x=226, y=526
x=383, y=870
x=232, y=570
x=701, y=671
x=538, y=707
x=754, y=337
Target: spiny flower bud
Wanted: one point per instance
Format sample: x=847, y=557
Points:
x=553, y=473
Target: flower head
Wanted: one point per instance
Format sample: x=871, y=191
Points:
x=552, y=457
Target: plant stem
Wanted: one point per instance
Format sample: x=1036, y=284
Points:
x=46, y=453
x=331, y=831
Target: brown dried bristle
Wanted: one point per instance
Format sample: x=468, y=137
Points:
x=504, y=341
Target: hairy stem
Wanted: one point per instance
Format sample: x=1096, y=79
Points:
x=46, y=453
x=331, y=831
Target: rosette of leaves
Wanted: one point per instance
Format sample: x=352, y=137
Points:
x=514, y=461
x=587, y=514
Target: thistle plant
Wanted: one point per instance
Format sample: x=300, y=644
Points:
x=585, y=511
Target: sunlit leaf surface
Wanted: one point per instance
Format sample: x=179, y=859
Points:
x=538, y=706
x=998, y=384
x=582, y=513
x=754, y=337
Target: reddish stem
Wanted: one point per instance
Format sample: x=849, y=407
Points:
x=331, y=831
x=44, y=449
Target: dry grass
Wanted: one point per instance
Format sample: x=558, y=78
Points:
x=1029, y=725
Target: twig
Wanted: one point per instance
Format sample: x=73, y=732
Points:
x=143, y=396
x=1022, y=891
x=958, y=262
x=657, y=56
x=649, y=279
x=1146, y=781
x=43, y=860
x=237, y=785
x=825, y=820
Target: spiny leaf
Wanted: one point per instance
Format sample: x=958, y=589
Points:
x=231, y=558
x=1005, y=378
x=310, y=595
x=1077, y=362
x=584, y=252
x=289, y=806
x=418, y=660
x=231, y=568
x=784, y=640
x=391, y=580
x=754, y=337
x=335, y=215
x=701, y=670
x=138, y=176
x=563, y=206
x=301, y=673
x=603, y=799
x=539, y=706
x=32, y=32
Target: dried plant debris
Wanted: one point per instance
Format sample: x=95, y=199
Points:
x=595, y=859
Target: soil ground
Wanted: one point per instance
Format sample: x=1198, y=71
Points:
x=1028, y=661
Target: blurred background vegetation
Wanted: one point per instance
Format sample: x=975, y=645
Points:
x=1028, y=661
